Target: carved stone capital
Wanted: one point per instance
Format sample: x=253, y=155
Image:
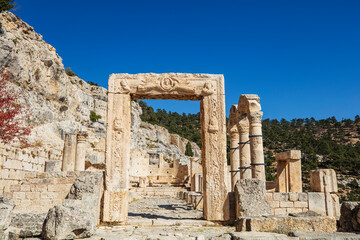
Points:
x=233, y=119
x=255, y=117
x=243, y=124
x=82, y=137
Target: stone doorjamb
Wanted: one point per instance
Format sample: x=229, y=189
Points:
x=209, y=89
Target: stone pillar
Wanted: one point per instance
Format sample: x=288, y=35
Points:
x=289, y=171
x=197, y=179
x=69, y=153
x=244, y=147
x=256, y=146
x=191, y=174
x=117, y=157
x=161, y=161
x=234, y=146
x=215, y=170
x=80, y=152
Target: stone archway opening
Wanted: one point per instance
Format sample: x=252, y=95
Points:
x=206, y=88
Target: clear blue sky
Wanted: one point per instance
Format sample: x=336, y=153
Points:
x=301, y=57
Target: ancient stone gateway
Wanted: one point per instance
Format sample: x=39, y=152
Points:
x=207, y=88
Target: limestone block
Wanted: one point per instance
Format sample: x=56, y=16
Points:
x=294, y=210
x=250, y=198
x=88, y=189
x=53, y=166
x=28, y=224
x=274, y=204
x=64, y=222
x=287, y=204
x=323, y=180
x=285, y=224
x=281, y=196
x=299, y=204
x=280, y=211
x=293, y=196
x=317, y=202
x=303, y=197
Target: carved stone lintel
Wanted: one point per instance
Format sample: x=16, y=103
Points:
x=165, y=84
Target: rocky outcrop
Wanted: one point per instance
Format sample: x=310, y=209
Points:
x=57, y=102
x=61, y=104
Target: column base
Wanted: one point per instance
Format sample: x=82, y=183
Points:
x=115, y=206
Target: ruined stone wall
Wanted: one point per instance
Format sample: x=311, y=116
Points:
x=38, y=192
x=15, y=162
x=285, y=203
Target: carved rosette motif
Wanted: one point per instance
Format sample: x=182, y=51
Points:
x=165, y=84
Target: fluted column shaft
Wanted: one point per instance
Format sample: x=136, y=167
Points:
x=256, y=146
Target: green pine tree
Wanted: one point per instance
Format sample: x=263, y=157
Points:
x=6, y=5
x=189, y=152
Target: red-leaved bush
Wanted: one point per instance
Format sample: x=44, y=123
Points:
x=12, y=114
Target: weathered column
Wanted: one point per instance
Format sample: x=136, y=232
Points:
x=256, y=146
x=215, y=170
x=80, y=152
x=244, y=147
x=69, y=153
x=234, y=146
x=191, y=174
x=197, y=178
x=117, y=156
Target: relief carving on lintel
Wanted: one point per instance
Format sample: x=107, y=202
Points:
x=170, y=83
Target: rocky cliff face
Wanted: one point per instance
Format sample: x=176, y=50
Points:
x=58, y=103
x=61, y=104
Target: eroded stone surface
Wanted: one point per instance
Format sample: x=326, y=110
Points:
x=27, y=224
x=350, y=217
x=250, y=198
x=64, y=222
x=6, y=208
x=286, y=224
